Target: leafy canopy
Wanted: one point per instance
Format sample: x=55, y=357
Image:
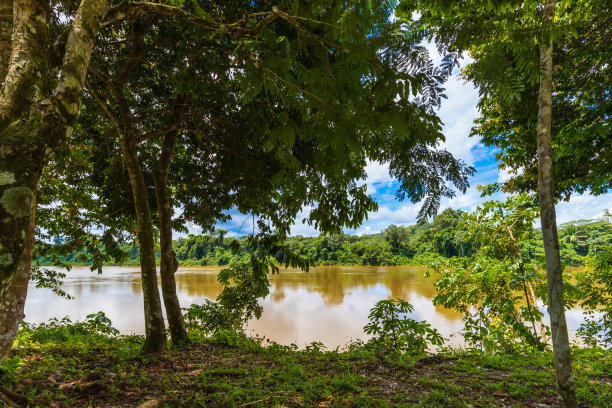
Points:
x=502, y=39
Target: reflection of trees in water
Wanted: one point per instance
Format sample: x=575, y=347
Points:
x=136, y=285
x=76, y=289
x=198, y=284
x=277, y=295
x=333, y=283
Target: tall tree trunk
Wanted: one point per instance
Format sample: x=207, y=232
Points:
x=155, y=329
x=35, y=119
x=13, y=303
x=560, y=338
x=23, y=58
x=19, y=174
x=169, y=264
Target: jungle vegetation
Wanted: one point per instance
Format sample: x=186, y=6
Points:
x=580, y=241
x=115, y=113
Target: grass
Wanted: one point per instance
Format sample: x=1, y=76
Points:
x=84, y=369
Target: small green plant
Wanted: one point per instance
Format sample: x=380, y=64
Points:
x=58, y=330
x=228, y=338
x=316, y=347
x=392, y=328
x=100, y=324
x=9, y=367
x=210, y=317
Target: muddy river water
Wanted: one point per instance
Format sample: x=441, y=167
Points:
x=329, y=304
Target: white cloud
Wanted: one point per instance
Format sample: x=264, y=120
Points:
x=377, y=173
x=404, y=215
x=583, y=207
x=303, y=229
x=458, y=113
x=504, y=175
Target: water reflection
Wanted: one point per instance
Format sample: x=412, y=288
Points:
x=328, y=304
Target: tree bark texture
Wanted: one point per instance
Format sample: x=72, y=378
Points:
x=34, y=118
x=169, y=264
x=6, y=32
x=560, y=338
x=13, y=304
x=155, y=329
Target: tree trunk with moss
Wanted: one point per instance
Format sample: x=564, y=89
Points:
x=554, y=272
x=13, y=304
x=35, y=117
x=155, y=330
x=168, y=264
x=6, y=32
x=155, y=327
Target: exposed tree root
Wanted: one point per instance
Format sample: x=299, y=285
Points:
x=6, y=400
x=12, y=395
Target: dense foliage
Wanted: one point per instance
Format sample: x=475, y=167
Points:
x=595, y=297
x=503, y=39
x=396, y=245
x=495, y=289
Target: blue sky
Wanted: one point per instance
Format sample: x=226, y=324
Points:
x=458, y=113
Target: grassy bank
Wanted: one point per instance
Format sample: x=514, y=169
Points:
x=73, y=366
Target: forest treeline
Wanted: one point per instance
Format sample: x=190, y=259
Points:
x=396, y=245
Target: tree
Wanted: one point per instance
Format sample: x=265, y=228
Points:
x=511, y=44
x=113, y=73
x=395, y=235
x=548, y=218
x=484, y=287
x=37, y=106
x=443, y=232
x=45, y=57
x=13, y=304
x=221, y=232
x=461, y=238
x=311, y=98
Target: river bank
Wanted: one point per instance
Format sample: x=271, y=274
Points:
x=66, y=367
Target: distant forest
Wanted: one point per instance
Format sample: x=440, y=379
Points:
x=396, y=245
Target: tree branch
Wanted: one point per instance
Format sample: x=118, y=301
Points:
x=67, y=95
x=28, y=63
x=107, y=110
x=127, y=10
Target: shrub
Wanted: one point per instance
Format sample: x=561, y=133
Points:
x=58, y=330
x=210, y=317
x=391, y=328
x=594, y=289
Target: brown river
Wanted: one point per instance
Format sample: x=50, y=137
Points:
x=329, y=304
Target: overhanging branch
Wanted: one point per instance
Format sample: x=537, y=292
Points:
x=127, y=10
